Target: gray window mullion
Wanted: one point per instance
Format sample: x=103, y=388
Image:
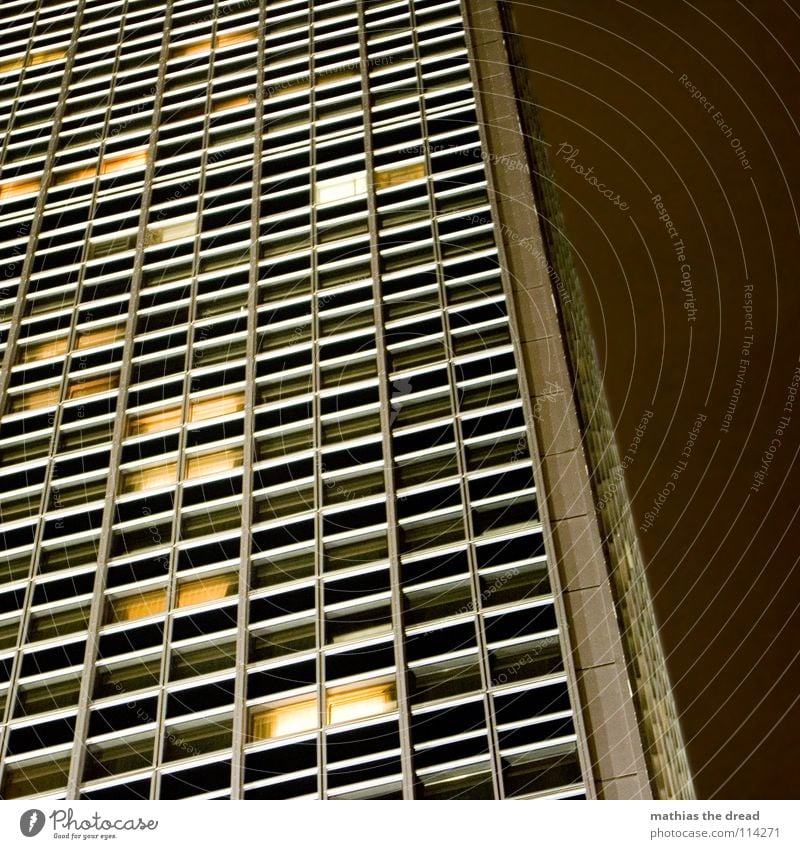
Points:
x=401, y=676
x=240, y=714
x=485, y=128
x=177, y=507
x=316, y=409
x=98, y=604
x=475, y=590
x=8, y=360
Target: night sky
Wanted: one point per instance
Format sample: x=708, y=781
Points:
x=686, y=246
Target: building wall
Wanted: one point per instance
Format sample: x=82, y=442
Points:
x=615, y=636
x=272, y=521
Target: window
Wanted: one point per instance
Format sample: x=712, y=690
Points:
x=154, y=422
x=170, y=230
x=124, y=162
x=203, y=590
x=149, y=477
x=399, y=175
x=138, y=606
x=44, y=350
x=19, y=188
x=220, y=42
x=36, y=399
x=346, y=704
x=215, y=407
x=93, y=386
x=214, y=461
x=340, y=188
x=100, y=336
x=282, y=720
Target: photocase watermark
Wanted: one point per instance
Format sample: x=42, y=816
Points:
x=17, y=255
x=400, y=390
x=570, y=156
x=618, y=474
x=680, y=467
x=320, y=76
x=512, y=163
x=744, y=359
x=784, y=421
x=145, y=718
x=515, y=668
x=487, y=593
x=719, y=120
x=31, y=822
x=527, y=244
x=65, y=825
x=679, y=249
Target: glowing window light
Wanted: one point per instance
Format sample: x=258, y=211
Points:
x=284, y=720
x=138, y=606
x=203, y=409
x=124, y=162
x=150, y=477
x=36, y=399
x=154, y=422
x=213, y=462
x=231, y=103
x=100, y=336
x=19, y=188
x=398, y=176
x=341, y=188
x=204, y=590
x=169, y=231
x=47, y=56
x=93, y=387
x=220, y=41
x=44, y=350
x=350, y=703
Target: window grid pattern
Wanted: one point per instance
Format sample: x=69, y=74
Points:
x=269, y=521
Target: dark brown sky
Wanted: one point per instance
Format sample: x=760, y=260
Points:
x=613, y=82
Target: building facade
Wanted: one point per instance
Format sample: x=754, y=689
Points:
x=302, y=457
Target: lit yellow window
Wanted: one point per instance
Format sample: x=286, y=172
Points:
x=228, y=39
x=231, y=103
x=204, y=590
x=283, y=720
x=12, y=65
x=154, y=422
x=94, y=386
x=193, y=49
x=37, y=399
x=19, y=188
x=346, y=704
x=138, y=606
x=335, y=76
x=149, y=477
x=205, y=45
x=34, y=59
x=213, y=462
x=203, y=409
x=169, y=231
x=47, y=56
x=398, y=176
x=100, y=336
x=84, y=173
x=124, y=162
x=44, y=350
x=341, y=188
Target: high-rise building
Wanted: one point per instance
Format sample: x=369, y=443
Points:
x=308, y=486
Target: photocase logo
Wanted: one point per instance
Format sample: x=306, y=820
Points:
x=31, y=822
x=401, y=389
